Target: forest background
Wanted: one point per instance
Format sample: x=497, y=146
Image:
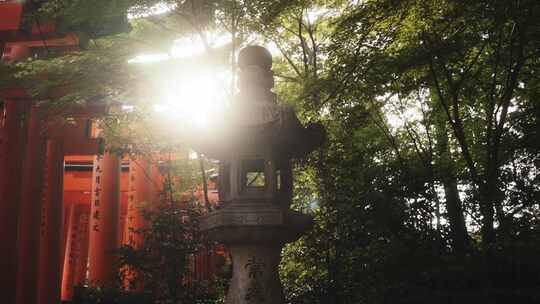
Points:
x=428, y=187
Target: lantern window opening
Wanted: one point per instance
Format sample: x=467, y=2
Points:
x=253, y=173
x=255, y=179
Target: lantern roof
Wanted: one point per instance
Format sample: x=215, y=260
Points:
x=256, y=123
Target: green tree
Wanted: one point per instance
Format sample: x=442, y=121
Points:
x=473, y=58
x=415, y=184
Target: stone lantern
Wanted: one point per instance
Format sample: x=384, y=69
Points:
x=254, y=142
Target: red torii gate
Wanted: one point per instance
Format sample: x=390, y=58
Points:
x=11, y=164
x=36, y=261
x=38, y=235
x=31, y=173
x=33, y=160
x=76, y=138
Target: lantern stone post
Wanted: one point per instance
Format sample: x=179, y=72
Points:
x=254, y=143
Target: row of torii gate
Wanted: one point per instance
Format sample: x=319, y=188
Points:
x=63, y=207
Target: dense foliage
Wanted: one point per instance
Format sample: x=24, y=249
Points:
x=428, y=187
x=157, y=269
x=430, y=179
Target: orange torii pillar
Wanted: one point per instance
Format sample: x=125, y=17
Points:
x=79, y=274
x=12, y=135
x=30, y=212
x=71, y=139
x=50, y=262
x=76, y=252
x=123, y=211
x=104, y=219
x=140, y=185
x=158, y=181
x=139, y=190
x=67, y=275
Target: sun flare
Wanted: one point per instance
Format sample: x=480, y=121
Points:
x=193, y=91
x=195, y=98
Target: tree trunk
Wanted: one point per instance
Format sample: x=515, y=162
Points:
x=447, y=176
x=488, y=213
x=458, y=229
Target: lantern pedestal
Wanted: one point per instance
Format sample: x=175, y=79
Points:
x=255, y=274
x=255, y=235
